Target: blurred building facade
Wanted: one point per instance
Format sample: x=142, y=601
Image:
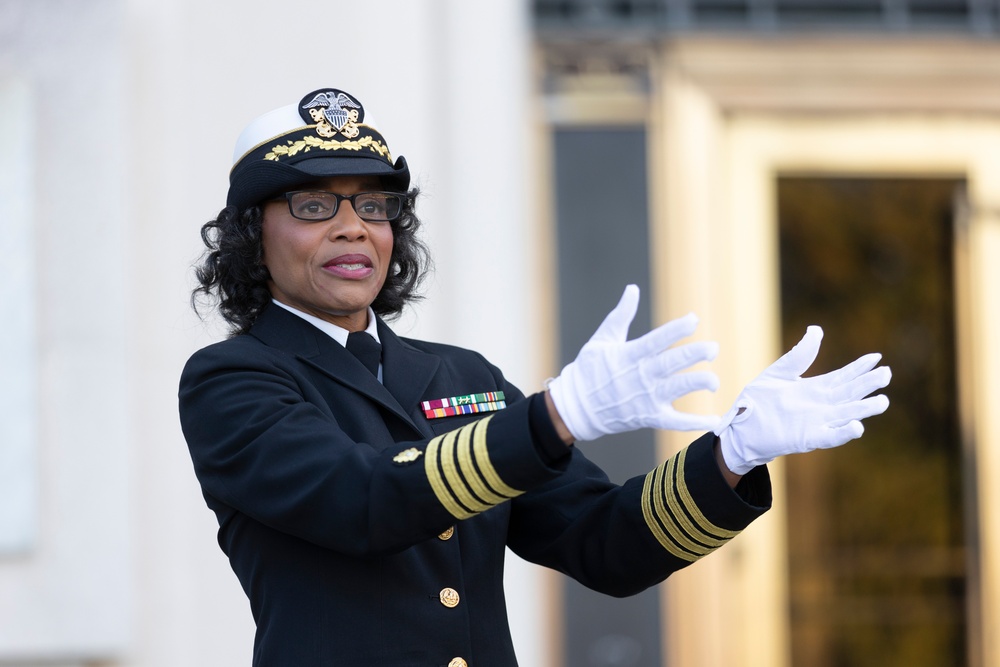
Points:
x=765, y=163
x=809, y=161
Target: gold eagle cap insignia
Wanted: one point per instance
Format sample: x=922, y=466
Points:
x=334, y=111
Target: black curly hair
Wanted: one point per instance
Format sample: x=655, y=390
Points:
x=231, y=273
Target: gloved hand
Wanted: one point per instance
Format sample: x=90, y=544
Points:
x=615, y=385
x=781, y=412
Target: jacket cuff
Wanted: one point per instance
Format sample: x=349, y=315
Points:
x=689, y=507
x=548, y=444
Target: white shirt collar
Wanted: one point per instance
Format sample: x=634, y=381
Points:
x=339, y=334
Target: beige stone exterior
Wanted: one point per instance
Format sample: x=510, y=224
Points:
x=726, y=116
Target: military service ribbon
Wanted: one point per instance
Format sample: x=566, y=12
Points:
x=489, y=401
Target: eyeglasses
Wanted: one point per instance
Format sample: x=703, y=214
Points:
x=370, y=206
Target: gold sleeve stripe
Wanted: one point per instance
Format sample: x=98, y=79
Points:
x=672, y=538
x=437, y=483
x=451, y=475
x=469, y=472
x=703, y=534
x=469, y=483
x=482, y=456
x=707, y=526
x=654, y=525
x=673, y=516
x=670, y=521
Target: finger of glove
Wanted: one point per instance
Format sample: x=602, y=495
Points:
x=797, y=361
x=838, y=415
x=684, y=421
x=662, y=337
x=845, y=374
x=656, y=367
x=614, y=328
x=863, y=385
x=682, y=384
x=839, y=435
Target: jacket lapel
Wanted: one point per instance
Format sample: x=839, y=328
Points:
x=407, y=372
x=411, y=370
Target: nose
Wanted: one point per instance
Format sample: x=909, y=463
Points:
x=347, y=224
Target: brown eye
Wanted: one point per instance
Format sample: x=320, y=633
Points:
x=372, y=205
x=313, y=205
x=378, y=206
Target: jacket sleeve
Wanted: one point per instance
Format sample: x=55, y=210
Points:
x=267, y=446
x=620, y=540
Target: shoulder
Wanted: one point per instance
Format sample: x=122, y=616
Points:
x=238, y=345
x=239, y=352
x=275, y=338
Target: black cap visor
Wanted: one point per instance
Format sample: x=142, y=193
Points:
x=255, y=182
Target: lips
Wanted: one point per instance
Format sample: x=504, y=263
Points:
x=353, y=266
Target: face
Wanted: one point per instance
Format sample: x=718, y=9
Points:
x=332, y=269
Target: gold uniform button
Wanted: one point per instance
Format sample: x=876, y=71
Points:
x=446, y=535
x=458, y=662
x=449, y=597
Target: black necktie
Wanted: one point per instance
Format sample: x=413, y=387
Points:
x=366, y=349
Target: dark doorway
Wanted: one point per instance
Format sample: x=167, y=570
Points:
x=877, y=563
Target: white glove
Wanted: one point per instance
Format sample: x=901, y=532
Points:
x=616, y=385
x=781, y=412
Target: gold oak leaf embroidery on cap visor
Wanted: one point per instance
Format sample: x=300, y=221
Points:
x=461, y=474
x=674, y=518
x=290, y=148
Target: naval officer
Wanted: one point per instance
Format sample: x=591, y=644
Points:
x=366, y=485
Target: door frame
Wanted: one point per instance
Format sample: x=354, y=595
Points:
x=731, y=115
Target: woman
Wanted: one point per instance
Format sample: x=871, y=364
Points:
x=366, y=510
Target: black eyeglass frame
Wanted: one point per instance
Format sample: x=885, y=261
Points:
x=402, y=197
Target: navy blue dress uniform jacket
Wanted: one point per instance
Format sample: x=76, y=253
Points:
x=366, y=534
